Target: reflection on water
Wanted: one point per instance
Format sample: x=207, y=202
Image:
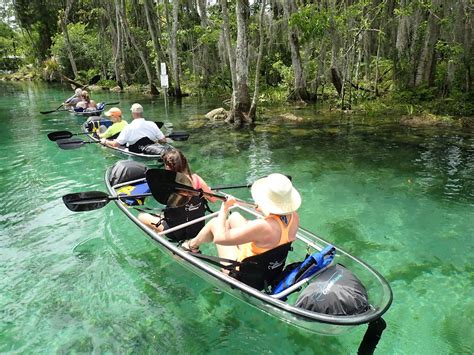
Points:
x=400, y=198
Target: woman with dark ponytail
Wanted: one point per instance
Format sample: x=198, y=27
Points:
x=174, y=160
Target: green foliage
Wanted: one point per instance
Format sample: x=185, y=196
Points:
x=286, y=74
x=312, y=21
x=85, y=47
x=50, y=68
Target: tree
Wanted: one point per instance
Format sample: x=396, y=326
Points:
x=300, y=92
x=239, y=113
x=64, y=21
x=39, y=20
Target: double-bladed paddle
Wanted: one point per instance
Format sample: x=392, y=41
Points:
x=54, y=136
x=92, y=200
x=68, y=144
x=94, y=80
x=69, y=110
x=167, y=187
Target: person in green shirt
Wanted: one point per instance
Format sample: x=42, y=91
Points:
x=113, y=131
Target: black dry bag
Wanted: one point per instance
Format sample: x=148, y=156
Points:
x=126, y=170
x=335, y=291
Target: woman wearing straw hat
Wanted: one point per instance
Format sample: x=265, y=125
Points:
x=237, y=238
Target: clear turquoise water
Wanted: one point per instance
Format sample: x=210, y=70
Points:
x=401, y=199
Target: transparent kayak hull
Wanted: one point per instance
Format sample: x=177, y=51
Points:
x=378, y=289
x=123, y=151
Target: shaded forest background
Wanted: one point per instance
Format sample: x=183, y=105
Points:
x=265, y=51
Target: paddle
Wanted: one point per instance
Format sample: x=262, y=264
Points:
x=54, y=136
x=92, y=200
x=230, y=187
x=94, y=80
x=174, y=189
x=167, y=187
x=68, y=144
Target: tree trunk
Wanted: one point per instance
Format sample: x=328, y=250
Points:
x=335, y=76
x=64, y=22
x=427, y=62
x=141, y=54
x=204, y=49
x=116, y=42
x=253, y=107
x=154, y=39
x=468, y=52
x=174, y=50
x=230, y=49
x=300, y=91
x=240, y=110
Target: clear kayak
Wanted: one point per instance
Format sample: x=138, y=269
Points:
x=86, y=113
x=281, y=305
x=124, y=151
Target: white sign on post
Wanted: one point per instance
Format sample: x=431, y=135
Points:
x=163, y=69
x=164, y=81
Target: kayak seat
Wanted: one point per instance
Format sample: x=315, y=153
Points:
x=138, y=146
x=260, y=271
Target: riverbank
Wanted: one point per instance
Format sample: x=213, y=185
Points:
x=413, y=109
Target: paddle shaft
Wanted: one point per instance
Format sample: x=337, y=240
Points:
x=211, y=195
x=95, y=79
x=106, y=199
x=230, y=187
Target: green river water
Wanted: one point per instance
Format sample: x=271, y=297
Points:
x=401, y=199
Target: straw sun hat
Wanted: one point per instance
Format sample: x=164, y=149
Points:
x=275, y=194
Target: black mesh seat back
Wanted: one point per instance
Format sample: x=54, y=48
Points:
x=262, y=270
x=138, y=146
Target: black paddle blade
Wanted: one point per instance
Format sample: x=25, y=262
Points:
x=170, y=188
x=54, y=136
x=68, y=144
x=179, y=136
x=86, y=201
x=159, y=124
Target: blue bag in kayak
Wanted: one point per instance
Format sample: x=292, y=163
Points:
x=312, y=264
x=130, y=190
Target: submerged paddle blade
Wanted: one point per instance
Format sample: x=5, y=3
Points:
x=54, y=136
x=179, y=136
x=170, y=188
x=68, y=144
x=86, y=201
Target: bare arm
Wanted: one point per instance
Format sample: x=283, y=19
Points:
x=253, y=231
x=110, y=143
x=206, y=188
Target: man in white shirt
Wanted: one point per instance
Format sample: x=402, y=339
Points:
x=138, y=132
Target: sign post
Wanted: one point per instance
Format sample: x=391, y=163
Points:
x=164, y=84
